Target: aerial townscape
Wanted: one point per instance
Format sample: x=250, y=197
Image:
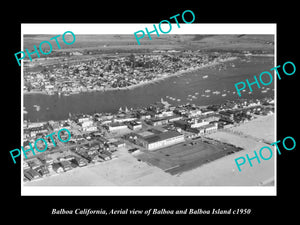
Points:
x=169, y=141
x=117, y=72
x=99, y=137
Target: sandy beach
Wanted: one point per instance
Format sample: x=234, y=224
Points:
x=127, y=171
x=224, y=172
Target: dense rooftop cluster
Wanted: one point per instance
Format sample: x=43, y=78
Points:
x=98, y=137
x=119, y=71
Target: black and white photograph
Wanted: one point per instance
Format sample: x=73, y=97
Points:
x=142, y=112
x=165, y=112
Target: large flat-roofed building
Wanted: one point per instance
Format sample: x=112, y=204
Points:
x=115, y=126
x=153, y=141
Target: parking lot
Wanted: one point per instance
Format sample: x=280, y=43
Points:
x=186, y=156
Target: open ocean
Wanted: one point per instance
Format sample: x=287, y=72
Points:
x=196, y=87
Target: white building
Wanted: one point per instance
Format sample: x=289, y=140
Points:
x=156, y=141
x=211, y=128
x=116, y=127
x=87, y=123
x=196, y=124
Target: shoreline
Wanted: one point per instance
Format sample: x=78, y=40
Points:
x=179, y=73
x=155, y=80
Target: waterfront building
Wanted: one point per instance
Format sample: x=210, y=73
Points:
x=193, y=113
x=227, y=115
x=57, y=167
x=206, y=111
x=83, y=119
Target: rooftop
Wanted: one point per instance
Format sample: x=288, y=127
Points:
x=162, y=136
x=146, y=133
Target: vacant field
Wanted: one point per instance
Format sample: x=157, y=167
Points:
x=93, y=46
x=183, y=157
x=171, y=41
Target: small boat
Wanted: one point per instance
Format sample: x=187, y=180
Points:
x=264, y=91
x=207, y=91
x=223, y=95
x=178, y=100
x=216, y=92
x=37, y=107
x=204, y=77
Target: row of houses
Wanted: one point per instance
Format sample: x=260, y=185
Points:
x=43, y=165
x=112, y=72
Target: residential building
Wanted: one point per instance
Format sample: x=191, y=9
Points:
x=66, y=165
x=57, y=167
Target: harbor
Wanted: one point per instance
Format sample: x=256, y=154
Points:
x=214, y=89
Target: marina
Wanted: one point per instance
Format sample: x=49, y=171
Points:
x=175, y=90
